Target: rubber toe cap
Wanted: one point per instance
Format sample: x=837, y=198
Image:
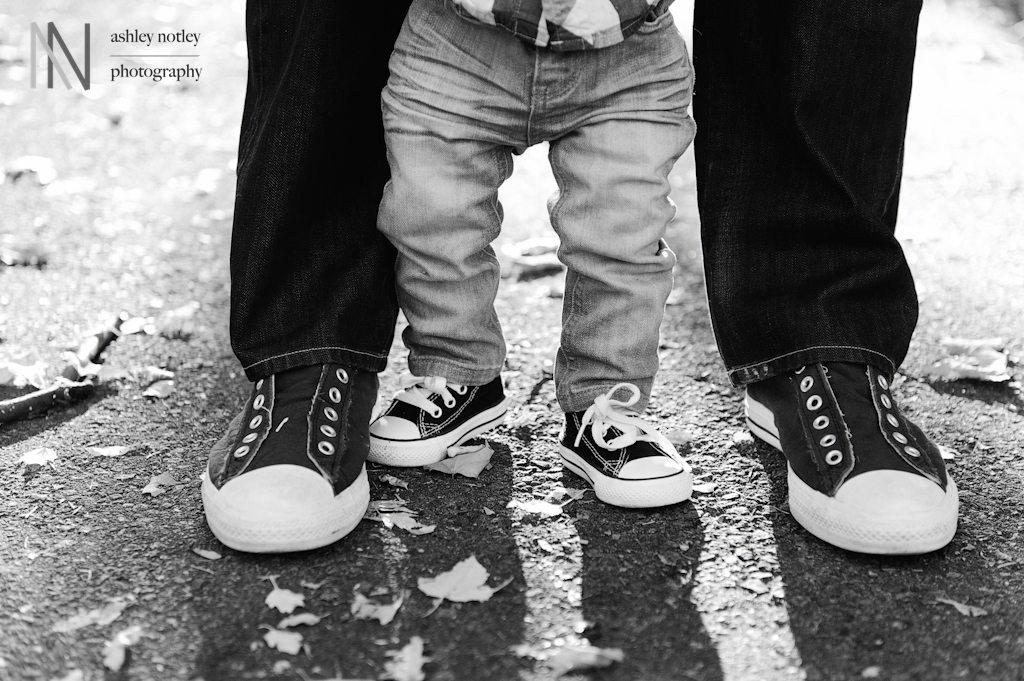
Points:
x=649, y=468
x=276, y=493
x=889, y=494
x=393, y=428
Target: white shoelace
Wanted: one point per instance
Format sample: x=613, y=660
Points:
x=416, y=390
x=606, y=413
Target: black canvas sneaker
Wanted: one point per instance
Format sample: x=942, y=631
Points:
x=626, y=460
x=861, y=476
x=289, y=474
x=429, y=415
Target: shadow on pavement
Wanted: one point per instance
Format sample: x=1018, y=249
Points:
x=861, y=616
x=464, y=640
x=638, y=572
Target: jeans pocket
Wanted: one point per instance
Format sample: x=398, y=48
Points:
x=658, y=18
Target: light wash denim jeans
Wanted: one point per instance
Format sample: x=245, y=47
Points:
x=461, y=99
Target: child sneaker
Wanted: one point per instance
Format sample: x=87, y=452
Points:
x=626, y=460
x=429, y=415
x=289, y=473
x=861, y=475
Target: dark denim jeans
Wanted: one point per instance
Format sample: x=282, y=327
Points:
x=801, y=109
x=312, y=280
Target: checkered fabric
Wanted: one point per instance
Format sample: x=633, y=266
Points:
x=565, y=25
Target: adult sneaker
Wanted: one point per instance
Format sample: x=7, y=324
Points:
x=289, y=474
x=429, y=415
x=861, y=476
x=626, y=460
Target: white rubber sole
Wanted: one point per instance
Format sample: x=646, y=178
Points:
x=851, y=526
x=278, y=509
x=409, y=453
x=672, y=489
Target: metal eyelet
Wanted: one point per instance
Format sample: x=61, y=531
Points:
x=886, y=402
x=814, y=402
x=461, y=390
x=893, y=421
x=342, y=375
x=900, y=437
x=821, y=422
x=328, y=431
x=436, y=414
x=325, y=447
x=258, y=402
x=241, y=451
x=806, y=384
x=250, y=438
x=259, y=384
x=913, y=451
x=256, y=421
x=828, y=440
x=335, y=395
x=884, y=384
x=449, y=404
x=330, y=413
x=834, y=457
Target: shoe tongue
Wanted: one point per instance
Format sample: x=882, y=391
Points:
x=301, y=378
x=855, y=375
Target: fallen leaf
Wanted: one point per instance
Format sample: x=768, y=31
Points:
x=406, y=522
x=488, y=511
x=947, y=453
x=305, y=618
x=38, y=457
x=679, y=436
x=286, y=641
x=463, y=583
x=284, y=600
x=312, y=586
x=981, y=360
x=742, y=436
x=154, y=374
x=872, y=672
x=38, y=166
x=572, y=658
x=406, y=664
x=206, y=553
x=101, y=616
x=963, y=609
x=543, y=508
x=159, y=390
x=179, y=322
x=470, y=463
x=365, y=609
x=281, y=666
x=138, y=325
x=23, y=375
x=115, y=649
x=158, y=483
x=375, y=510
x=394, y=482
x=705, y=487
x=113, y=450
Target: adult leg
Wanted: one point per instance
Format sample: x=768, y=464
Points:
x=803, y=112
x=312, y=306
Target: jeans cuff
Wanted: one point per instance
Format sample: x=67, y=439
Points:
x=581, y=401
x=452, y=372
x=357, y=359
x=751, y=373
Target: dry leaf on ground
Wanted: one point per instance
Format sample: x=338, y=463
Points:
x=101, y=616
x=206, y=553
x=158, y=483
x=284, y=600
x=394, y=482
x=571, y=658
x=286, y=641
x=113, y=450
x=406, y=664
x=302, y=619
x=365, y=609
x=468, y=463
x=979, y=359
x=38, y=457
x=543, y=508
x=463, y=583
x=963, y=608
x=115, y=649
x=406, y=522
x=159, y=390
x=23, y=375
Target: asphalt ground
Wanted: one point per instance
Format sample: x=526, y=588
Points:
x=726, y=586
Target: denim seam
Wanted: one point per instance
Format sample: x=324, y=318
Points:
x=813, y=347
x=322, y=347
x=445, y=362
